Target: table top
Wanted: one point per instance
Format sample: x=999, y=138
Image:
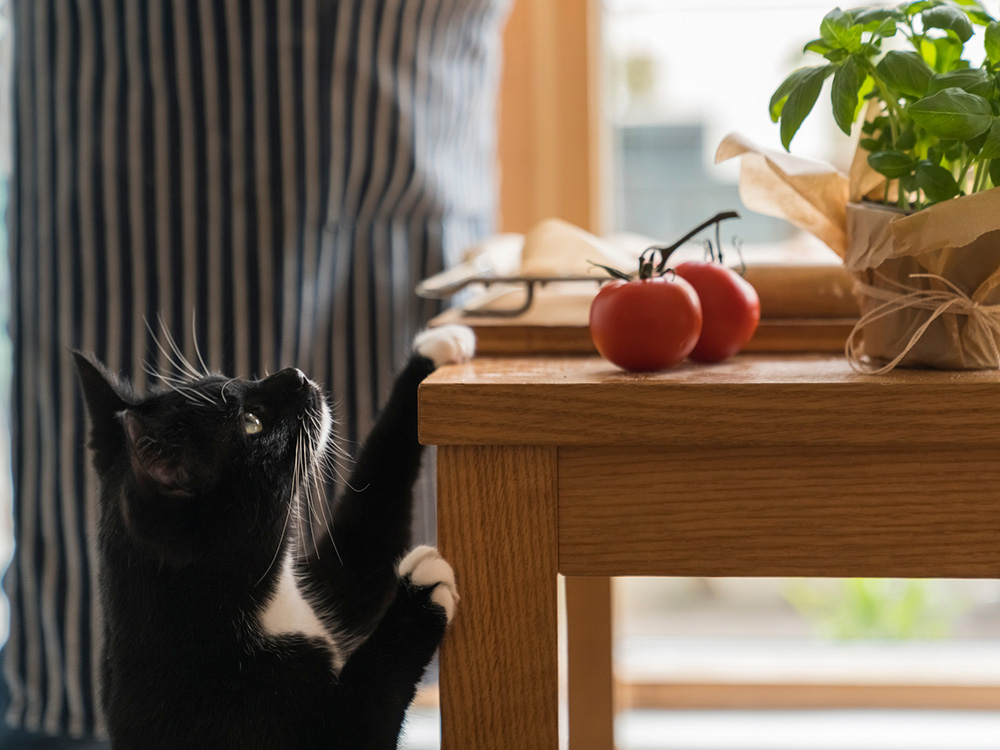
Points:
x=748, y=400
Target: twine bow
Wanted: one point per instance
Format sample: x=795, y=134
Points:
x=952, y=300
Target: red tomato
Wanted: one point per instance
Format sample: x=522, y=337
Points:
x=730, y=309
x=645, y=325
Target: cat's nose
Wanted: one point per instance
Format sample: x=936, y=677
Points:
x=290, y=378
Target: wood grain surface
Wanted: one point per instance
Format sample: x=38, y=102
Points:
x=749, y=400
x=760, y=466
x=754, y=511
x=797, y=696
x=563, y=329
x=590, y=667
x=499, y=660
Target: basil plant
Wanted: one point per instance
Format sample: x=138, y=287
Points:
x=936, y=131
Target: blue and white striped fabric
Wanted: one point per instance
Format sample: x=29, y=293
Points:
x=271, y=177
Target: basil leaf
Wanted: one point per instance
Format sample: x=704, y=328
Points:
x=948, y=54
x=995, y=172
x=975, y=145
x=952, y=113
x=907, y=139
x=892, y=164
x=911, y=9
x=954, y=150
x=872, y=18
x=991, y=147
x=838, y=30
x=818, y=46
x=991, y=40
x=949, y=19
x=973, y=80
x=885, y=29
x=974, y=9
x=847, y=83
x=780, y=95
x=980, y=17
x=905, y=72
x=800, y=102
x=938, y=183
x=925, y=46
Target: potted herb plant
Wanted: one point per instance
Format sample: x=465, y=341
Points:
x=924, y=233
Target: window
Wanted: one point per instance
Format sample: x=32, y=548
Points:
x=663, y=82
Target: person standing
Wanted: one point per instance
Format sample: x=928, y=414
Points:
x=267, y=179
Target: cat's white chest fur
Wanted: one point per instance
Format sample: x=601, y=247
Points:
x=288, y=613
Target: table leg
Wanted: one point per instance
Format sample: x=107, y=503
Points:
x=590, y=666
x=499, y=660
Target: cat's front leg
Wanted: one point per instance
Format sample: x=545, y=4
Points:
x=423, y=570
x=353, y=572
x=382, y=675
x=445, y=345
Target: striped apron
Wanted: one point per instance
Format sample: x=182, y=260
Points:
x=268, y=179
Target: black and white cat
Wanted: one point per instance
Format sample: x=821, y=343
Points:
x=223, y=627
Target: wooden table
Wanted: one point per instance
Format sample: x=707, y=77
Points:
x=761, y=466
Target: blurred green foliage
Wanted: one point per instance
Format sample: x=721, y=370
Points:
x=877, y=608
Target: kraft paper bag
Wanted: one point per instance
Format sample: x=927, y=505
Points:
x=927, y=282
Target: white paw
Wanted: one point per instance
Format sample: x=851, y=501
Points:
x=446, y=345
x=425, y=568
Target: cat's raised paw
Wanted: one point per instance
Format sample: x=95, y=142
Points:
x=446, y=345
x=424, y=567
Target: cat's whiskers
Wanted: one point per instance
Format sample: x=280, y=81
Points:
x=168, y=379
x=316, y=485
x=305, y=494
x=312, y=474
x=184, y=364
x=334, y=445
x=178, y=386
x=334, y=456
x=222, y=391
x=317, y=497
x=194, y=339
x=303, y=452
x=278, y=546
x=145, y=440
x=335, y=471
x=292, y=509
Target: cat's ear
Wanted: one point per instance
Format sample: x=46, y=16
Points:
x=104, y=395
x=157, y=467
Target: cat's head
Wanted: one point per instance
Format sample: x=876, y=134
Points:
x=204, y=463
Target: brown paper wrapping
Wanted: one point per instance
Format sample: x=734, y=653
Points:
x=903, y=264
x=928, y=282
x=810, y=194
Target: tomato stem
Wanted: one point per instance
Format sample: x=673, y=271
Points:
x=648, y=268
x=738, y=244
x=667, y=250
x=615, y=273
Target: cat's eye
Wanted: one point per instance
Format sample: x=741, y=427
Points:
x=251, y=424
